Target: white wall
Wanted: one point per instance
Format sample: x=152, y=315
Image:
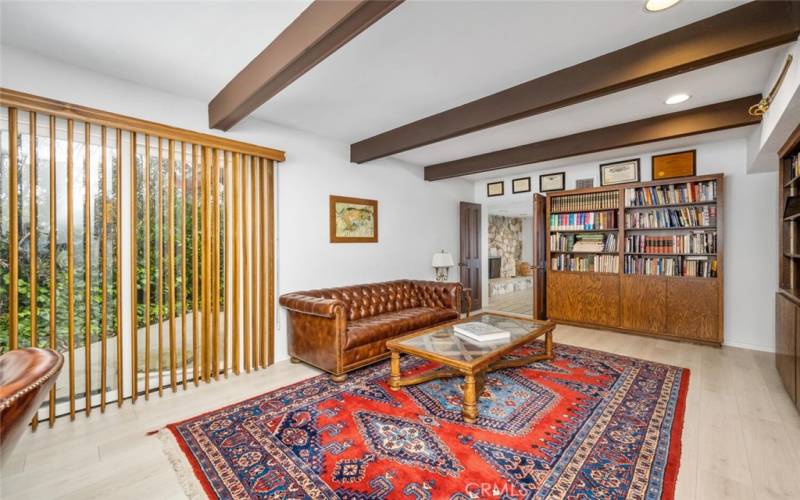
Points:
x=750, y=233
x=416, y=218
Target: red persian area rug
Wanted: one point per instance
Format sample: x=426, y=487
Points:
x=587, y=425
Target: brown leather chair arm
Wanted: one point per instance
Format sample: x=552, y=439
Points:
x=449, y=293
x=316, y=306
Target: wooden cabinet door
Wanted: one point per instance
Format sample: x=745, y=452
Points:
x=786, y=349
x=643, y=305
x=693, y=308
x=583, y=298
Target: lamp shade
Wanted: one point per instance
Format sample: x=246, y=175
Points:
x=442, y=259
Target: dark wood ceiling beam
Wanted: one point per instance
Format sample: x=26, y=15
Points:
x=720, y=116
x=734, y=33
x=320, y=30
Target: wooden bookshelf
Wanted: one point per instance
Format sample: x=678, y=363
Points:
x=787, y=299
x=687, y=307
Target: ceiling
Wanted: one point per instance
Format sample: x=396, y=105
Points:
x=422, y=58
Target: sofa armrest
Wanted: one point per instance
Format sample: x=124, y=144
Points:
x=315, y=306
x=448, y=293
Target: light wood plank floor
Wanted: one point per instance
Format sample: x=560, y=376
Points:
x=741, y=437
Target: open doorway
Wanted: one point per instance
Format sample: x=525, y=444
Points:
x=510, y=258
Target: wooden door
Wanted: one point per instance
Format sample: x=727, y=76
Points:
x=539, y=264
x=470, y=259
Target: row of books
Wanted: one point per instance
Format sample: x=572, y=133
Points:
x=695, y=242
x=671, y=194
x=585, y=202
x=583, y=221
x=794, y=167
x=672, y=217
x=583, y=242
x=591, y=263
x=703, y=267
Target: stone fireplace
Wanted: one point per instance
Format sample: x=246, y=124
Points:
x=505, y=242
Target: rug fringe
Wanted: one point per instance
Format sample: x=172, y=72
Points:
x=188, y=481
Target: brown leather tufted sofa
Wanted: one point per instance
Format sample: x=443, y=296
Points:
x=341, y=329
x=26, y=376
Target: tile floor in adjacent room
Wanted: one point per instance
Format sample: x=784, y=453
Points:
x=741, y=437
x=520, y=302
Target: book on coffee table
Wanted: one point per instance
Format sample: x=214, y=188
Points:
x=481, y=332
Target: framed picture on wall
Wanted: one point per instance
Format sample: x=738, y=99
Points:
x=521, y=185
x=353, y=220
x=551, y=182
x=672, y=165
x=619, y=172
x=495, y=189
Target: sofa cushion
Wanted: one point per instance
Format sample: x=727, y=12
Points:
x=388, y=325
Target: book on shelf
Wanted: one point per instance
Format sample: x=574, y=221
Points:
x=671, y=194
x=588, y=263
x=585, y=202
x=695, y=242
x=794, y=166
x=481, y=332
x=697, y=266
x=583, y=242
x=583, y=221
x=668, y=218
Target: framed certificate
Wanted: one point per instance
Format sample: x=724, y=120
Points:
x=619, y=172
x=495, y=189
x=521, y=185
x=551, y=182
x=672, y=165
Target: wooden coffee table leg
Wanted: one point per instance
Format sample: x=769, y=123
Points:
x=394, y=376
x=470, y=410
x=548, y=345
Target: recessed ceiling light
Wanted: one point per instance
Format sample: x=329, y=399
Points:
x=659, y=5
x=677, y=99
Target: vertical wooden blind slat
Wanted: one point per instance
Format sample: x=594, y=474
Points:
x=171, y=263
x=160, y=268
x=33, y=278
x=262, y=253
x=53, y=288
x=206, y=266
x=183, y=265
x=215, y=260
x=256, y=332
x=146, y=172
x=246, y=267
x=71, y=268
x=87, y=263
x=234, y=281
x=134, y=274
x=227, y=276
x=271, y=260
x=13, y=232
x=104, y=266
x=195, y=259
x=118, y=259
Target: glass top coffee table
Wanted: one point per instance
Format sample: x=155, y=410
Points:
x=461, y=357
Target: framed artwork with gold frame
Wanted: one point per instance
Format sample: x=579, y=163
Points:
x=353, y=220
x=673, y=165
